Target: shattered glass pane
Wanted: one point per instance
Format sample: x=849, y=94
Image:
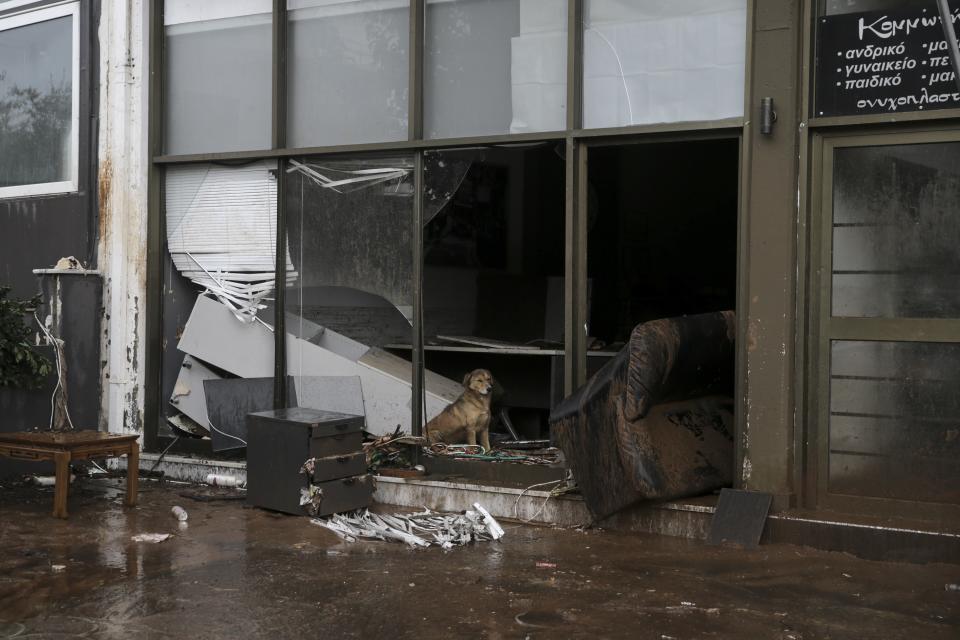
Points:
x=349, y=313
x=895, y=230
x=36, y=91
x=351, y=240
x=348, y=71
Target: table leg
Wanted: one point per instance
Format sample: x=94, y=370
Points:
x=133, y=473
x=61, y=460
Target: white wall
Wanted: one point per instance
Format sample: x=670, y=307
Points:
x=122, y=250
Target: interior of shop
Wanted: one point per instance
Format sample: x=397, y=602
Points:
x=493, y=288
x=662, y=234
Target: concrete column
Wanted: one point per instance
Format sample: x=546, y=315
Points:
x=769, y=267
x=122, y=201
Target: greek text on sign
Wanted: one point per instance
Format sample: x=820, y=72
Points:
x=884, y=62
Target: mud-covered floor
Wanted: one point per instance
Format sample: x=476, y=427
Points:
x=237, y=572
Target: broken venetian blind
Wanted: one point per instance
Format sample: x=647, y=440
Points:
x=221, y=231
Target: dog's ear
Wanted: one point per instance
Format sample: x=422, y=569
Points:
x=466, y=379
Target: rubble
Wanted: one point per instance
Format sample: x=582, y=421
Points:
x=390, y=450
x=372, y=382
x=545, y=456
x=423, y=529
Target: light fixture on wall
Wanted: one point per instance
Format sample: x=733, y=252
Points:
x=767, y=116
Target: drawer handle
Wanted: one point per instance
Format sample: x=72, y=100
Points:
x=343, y=459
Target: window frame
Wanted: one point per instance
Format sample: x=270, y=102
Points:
x=575, y=138
x=35, y=16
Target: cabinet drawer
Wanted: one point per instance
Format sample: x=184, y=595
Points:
x=345, y=494
x=336, y=445
x=333, y=467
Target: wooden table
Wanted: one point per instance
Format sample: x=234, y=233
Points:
x=65, y=446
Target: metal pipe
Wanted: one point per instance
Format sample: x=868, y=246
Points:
x=952, y=46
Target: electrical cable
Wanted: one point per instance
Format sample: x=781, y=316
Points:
x=57, y=348
x=223, y=433
x=516, y=505
x=163, y=453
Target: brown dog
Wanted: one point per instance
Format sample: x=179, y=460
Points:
x=468, y=416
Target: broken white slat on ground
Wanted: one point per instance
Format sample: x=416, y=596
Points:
x=423, y=529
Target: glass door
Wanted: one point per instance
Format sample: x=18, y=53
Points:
x=885, y=372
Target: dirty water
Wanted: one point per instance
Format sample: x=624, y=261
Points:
x=238, y=572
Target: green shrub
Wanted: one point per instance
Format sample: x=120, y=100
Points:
x=20, y=363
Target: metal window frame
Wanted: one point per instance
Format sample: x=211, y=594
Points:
x=576, y=139
x=825, y=328
x=33, y=16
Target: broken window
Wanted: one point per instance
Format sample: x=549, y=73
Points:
x=217, y=82
x=656, y=247
x=493, y=289
x=494, y=67
x=350, y=225
x=221, y=224
x=348, y=72
x=351, y=239
x=39, y=72
x=656, y=61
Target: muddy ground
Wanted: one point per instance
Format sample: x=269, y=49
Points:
x=238, y=572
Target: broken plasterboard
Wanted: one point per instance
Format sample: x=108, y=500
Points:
x=188, y=397
x=184, y=426
x=319, y=335
x=213, y=335
x=339, y=394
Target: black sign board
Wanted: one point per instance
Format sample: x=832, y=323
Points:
x=884, y=62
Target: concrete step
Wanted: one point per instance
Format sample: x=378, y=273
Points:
x=869, y=538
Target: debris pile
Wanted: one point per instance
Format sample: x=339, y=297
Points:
x=390, y=450
x=545, y=456
x=423, y=529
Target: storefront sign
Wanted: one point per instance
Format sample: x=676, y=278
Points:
x=884, y=62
